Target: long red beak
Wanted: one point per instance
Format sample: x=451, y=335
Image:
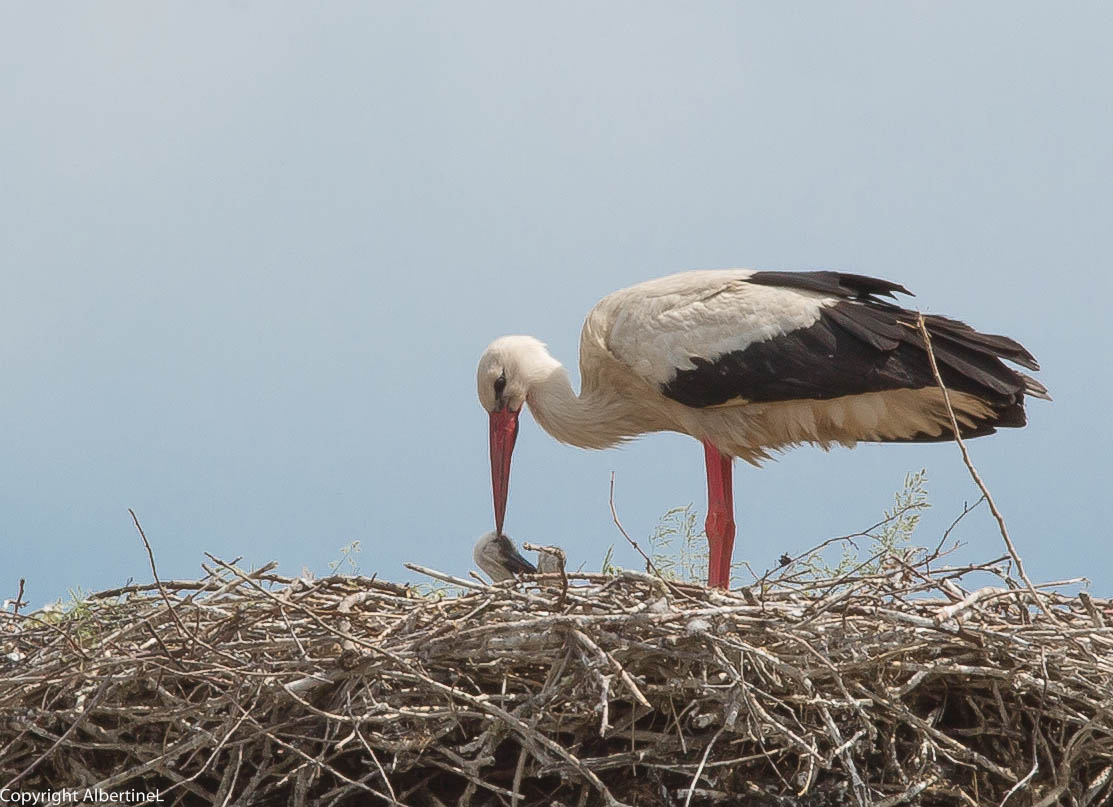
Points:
x=504, y=431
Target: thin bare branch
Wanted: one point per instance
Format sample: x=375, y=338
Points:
x=976, y=476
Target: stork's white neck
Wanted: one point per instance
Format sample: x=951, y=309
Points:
x=597, y=419
x=518, y=371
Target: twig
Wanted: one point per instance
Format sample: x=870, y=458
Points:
x=849, y=538
x=612, y=662
x=18, y=598
x=910, y=793
x=702, y=763
x=1095, y=614
x=986, y=593
x=161, y=589
x=648, y=563
x=977, y=478
x=614, y=515
x=166, y=650
x=64, y=736
x=562, y=563
x=1023, y=782
x=966, y=509
x=1099, y=782
x=519, y=770
x=213, y=583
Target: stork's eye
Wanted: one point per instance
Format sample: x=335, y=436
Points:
x=500, y=385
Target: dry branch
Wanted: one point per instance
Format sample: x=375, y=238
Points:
x=1000, y=519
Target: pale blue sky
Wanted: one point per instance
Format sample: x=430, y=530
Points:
x=252, y=251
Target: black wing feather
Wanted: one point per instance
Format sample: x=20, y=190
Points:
x=862, y=344
x=992, y=344
x=835, y=284
x=871, y=328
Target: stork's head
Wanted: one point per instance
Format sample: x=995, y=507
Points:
x=508, y=368
x=496, y=554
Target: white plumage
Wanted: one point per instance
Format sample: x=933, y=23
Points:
x=658, y=327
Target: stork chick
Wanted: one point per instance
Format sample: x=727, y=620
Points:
x=496, y=554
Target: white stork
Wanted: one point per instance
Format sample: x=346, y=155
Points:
x=750, y=362
x=496, y=554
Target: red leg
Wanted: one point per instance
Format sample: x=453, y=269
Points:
x=720, y=516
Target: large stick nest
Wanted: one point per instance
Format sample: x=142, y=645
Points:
x=907, y=685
